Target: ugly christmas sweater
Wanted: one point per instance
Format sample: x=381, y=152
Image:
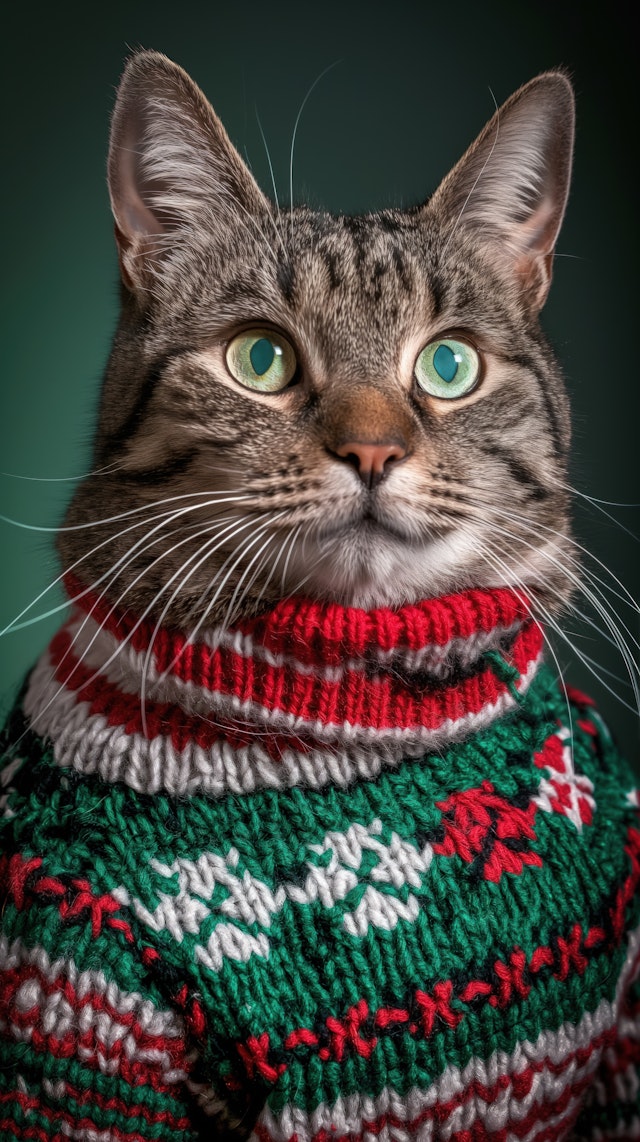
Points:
x=352, y=874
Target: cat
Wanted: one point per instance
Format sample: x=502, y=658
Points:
x=300, y=836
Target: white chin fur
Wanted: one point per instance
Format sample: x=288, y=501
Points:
x=368, y=570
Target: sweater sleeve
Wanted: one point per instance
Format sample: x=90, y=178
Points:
x=82, y=1048
x=88, y=1046
x=612, y=1106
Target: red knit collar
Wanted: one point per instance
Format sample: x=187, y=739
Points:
x=326, y=634
x=307, y=691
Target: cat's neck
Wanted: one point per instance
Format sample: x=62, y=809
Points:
x=307, y=692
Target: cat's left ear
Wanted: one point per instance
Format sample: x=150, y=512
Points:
x=510, y=188
x=172, y=168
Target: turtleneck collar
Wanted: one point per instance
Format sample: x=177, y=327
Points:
x=308, y=693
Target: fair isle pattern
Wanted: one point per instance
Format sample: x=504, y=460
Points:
x=370, y=863
x=561, y=790
x=54, y=1005
x=440, y=945
x=247, y=708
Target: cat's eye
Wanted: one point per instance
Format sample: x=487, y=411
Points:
x=447, y=368
x=261, y=359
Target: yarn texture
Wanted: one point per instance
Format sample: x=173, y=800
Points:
x=352, y=874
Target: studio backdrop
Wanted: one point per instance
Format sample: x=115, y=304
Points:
x=382, y=99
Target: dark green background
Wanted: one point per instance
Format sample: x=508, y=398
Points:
x=411, y=88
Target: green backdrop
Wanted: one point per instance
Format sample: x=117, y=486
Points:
x=412, y=85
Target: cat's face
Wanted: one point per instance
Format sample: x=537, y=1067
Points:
x=361, y=409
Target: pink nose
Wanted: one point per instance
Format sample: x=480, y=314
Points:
x=371, y=461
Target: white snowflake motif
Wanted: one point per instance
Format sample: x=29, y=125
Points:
x=561, y=789
x=250, y=902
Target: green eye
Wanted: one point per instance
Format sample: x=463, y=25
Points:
x=447, y=368
x=261, y=360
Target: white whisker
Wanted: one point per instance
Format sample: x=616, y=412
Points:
x=617, y=638
x=295, y=129
x=165, y=517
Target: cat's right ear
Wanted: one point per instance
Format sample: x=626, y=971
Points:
x=172, y=166
x=509, y=190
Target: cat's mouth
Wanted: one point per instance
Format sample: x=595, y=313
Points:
x=369, y=523
x=367, y=560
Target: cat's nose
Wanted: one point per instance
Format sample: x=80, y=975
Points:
x=371, y=461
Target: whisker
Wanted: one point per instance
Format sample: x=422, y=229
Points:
x=256, y=557
x=120, y=647
x=220, y=585
x=626, y=597
x=596, y=503
x=597, y=601
x=120, y=565
x=210, y=547
x=165, y=517
x=490, y=555
x=62, y=479
x=295, y=131
x=273, y=183
x=225, y=497
x=617, y=637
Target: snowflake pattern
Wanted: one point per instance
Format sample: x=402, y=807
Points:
x=561, y=789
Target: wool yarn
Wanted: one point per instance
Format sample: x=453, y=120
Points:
x=354, y=874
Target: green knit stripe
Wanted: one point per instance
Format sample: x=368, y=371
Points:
x=539, y=1079
x=292, y=837
x=412, y=1059
x=72, y=940
x=433, y=935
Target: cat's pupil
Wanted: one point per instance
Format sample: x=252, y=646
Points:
x=445, y=363
x=261, y=355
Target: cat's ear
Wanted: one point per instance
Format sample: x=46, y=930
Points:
x=171, y=165
x=511, y=186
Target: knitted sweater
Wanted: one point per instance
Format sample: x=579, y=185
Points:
x=357, y=874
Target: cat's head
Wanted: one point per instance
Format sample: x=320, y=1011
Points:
x=361, y=408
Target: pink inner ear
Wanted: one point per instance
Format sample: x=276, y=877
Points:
x=135, y=219
x=536, y=239
x=538, y=234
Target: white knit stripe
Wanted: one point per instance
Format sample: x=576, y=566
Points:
x=103, y=1026
x=350, y=1114
x=254, y=902
x=554, y=1047
x=87, y=742
x=126, y=674
x=560, y=1123
x=151, y=1020
x=51, y=1014
x=254, y=716
x=95, y=646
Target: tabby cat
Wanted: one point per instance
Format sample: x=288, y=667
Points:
x=301, y=836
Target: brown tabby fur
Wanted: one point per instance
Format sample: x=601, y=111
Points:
x=204, y=254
